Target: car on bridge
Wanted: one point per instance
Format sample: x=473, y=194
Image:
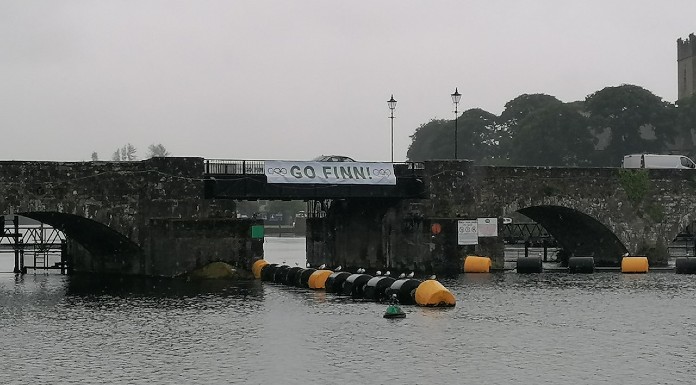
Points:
x=333, y=158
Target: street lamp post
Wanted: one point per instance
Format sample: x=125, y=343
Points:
x=392, y=105
x=455, y=99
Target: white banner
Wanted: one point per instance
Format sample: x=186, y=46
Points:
x=467, y=233
x=278, y=171
x=487, y=227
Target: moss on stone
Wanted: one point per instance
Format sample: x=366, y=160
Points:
x=656, y=212
x=220, y=270
x=636, y=183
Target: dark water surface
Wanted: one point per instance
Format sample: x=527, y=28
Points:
x=552, y=328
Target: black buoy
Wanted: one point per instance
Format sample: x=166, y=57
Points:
x=685, y=265
x=303, y=277
x=581, y=265
x=334, y=283
x=375, y=287
x=404, y=289
x=291, y=276
x=526, y=265
x=355, y=284
x=280, y=273
x=268, y=271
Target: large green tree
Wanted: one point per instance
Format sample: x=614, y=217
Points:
x=478, y=135
x=540, y=129
x=553, y=136
x=515, y=111
x=523, y=105
x=634, y=119
x=432, y=140
x=477, y=138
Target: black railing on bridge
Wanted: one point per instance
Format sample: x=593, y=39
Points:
x=234, y=167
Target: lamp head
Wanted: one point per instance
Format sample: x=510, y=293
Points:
x=391, y=103
x=456, y=96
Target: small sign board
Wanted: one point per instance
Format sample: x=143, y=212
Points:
x=257, y=231
x=487, y=227
x=467, y=233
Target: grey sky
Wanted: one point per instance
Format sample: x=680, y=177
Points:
x=295, y=79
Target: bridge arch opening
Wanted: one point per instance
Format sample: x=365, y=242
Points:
x=79, y=232
x=578, y=234
x=95, y=237
x=683, y=244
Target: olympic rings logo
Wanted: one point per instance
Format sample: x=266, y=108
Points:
x=276, y=171
x=381, y=172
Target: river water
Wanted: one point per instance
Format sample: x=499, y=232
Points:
x=550, y=328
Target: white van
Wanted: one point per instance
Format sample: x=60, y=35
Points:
x=657, y=161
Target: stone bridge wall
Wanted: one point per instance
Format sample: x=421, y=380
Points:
x=603, y=212
x=109, y=209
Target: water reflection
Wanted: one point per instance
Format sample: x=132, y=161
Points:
x=126, y=287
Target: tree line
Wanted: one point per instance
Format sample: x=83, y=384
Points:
x=541, y=130
x=129, y=153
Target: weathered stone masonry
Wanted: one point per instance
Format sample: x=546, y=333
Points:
x=602, y=212
x=144, y=218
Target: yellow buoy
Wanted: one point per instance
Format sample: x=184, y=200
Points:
x=476, y=264
x=257, y=267
x=432, y=293
x=318, y=279
x=634, y=265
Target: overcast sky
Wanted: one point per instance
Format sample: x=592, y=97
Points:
x=295, y=79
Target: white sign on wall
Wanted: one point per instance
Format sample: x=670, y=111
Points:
x=467, y=233
x=487, y=227
x=329, y=172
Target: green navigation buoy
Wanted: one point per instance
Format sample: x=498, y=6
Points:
x=394, y=310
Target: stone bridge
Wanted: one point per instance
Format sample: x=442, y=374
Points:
x=141, y=218
x=157, y=217
x=599, y=212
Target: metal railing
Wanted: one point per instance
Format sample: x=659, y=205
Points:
x=234, y=167
x=43, y=245
x=520, y=232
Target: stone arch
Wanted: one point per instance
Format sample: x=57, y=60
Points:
x=93, y=236
x=578, y=233
x=684, y=221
